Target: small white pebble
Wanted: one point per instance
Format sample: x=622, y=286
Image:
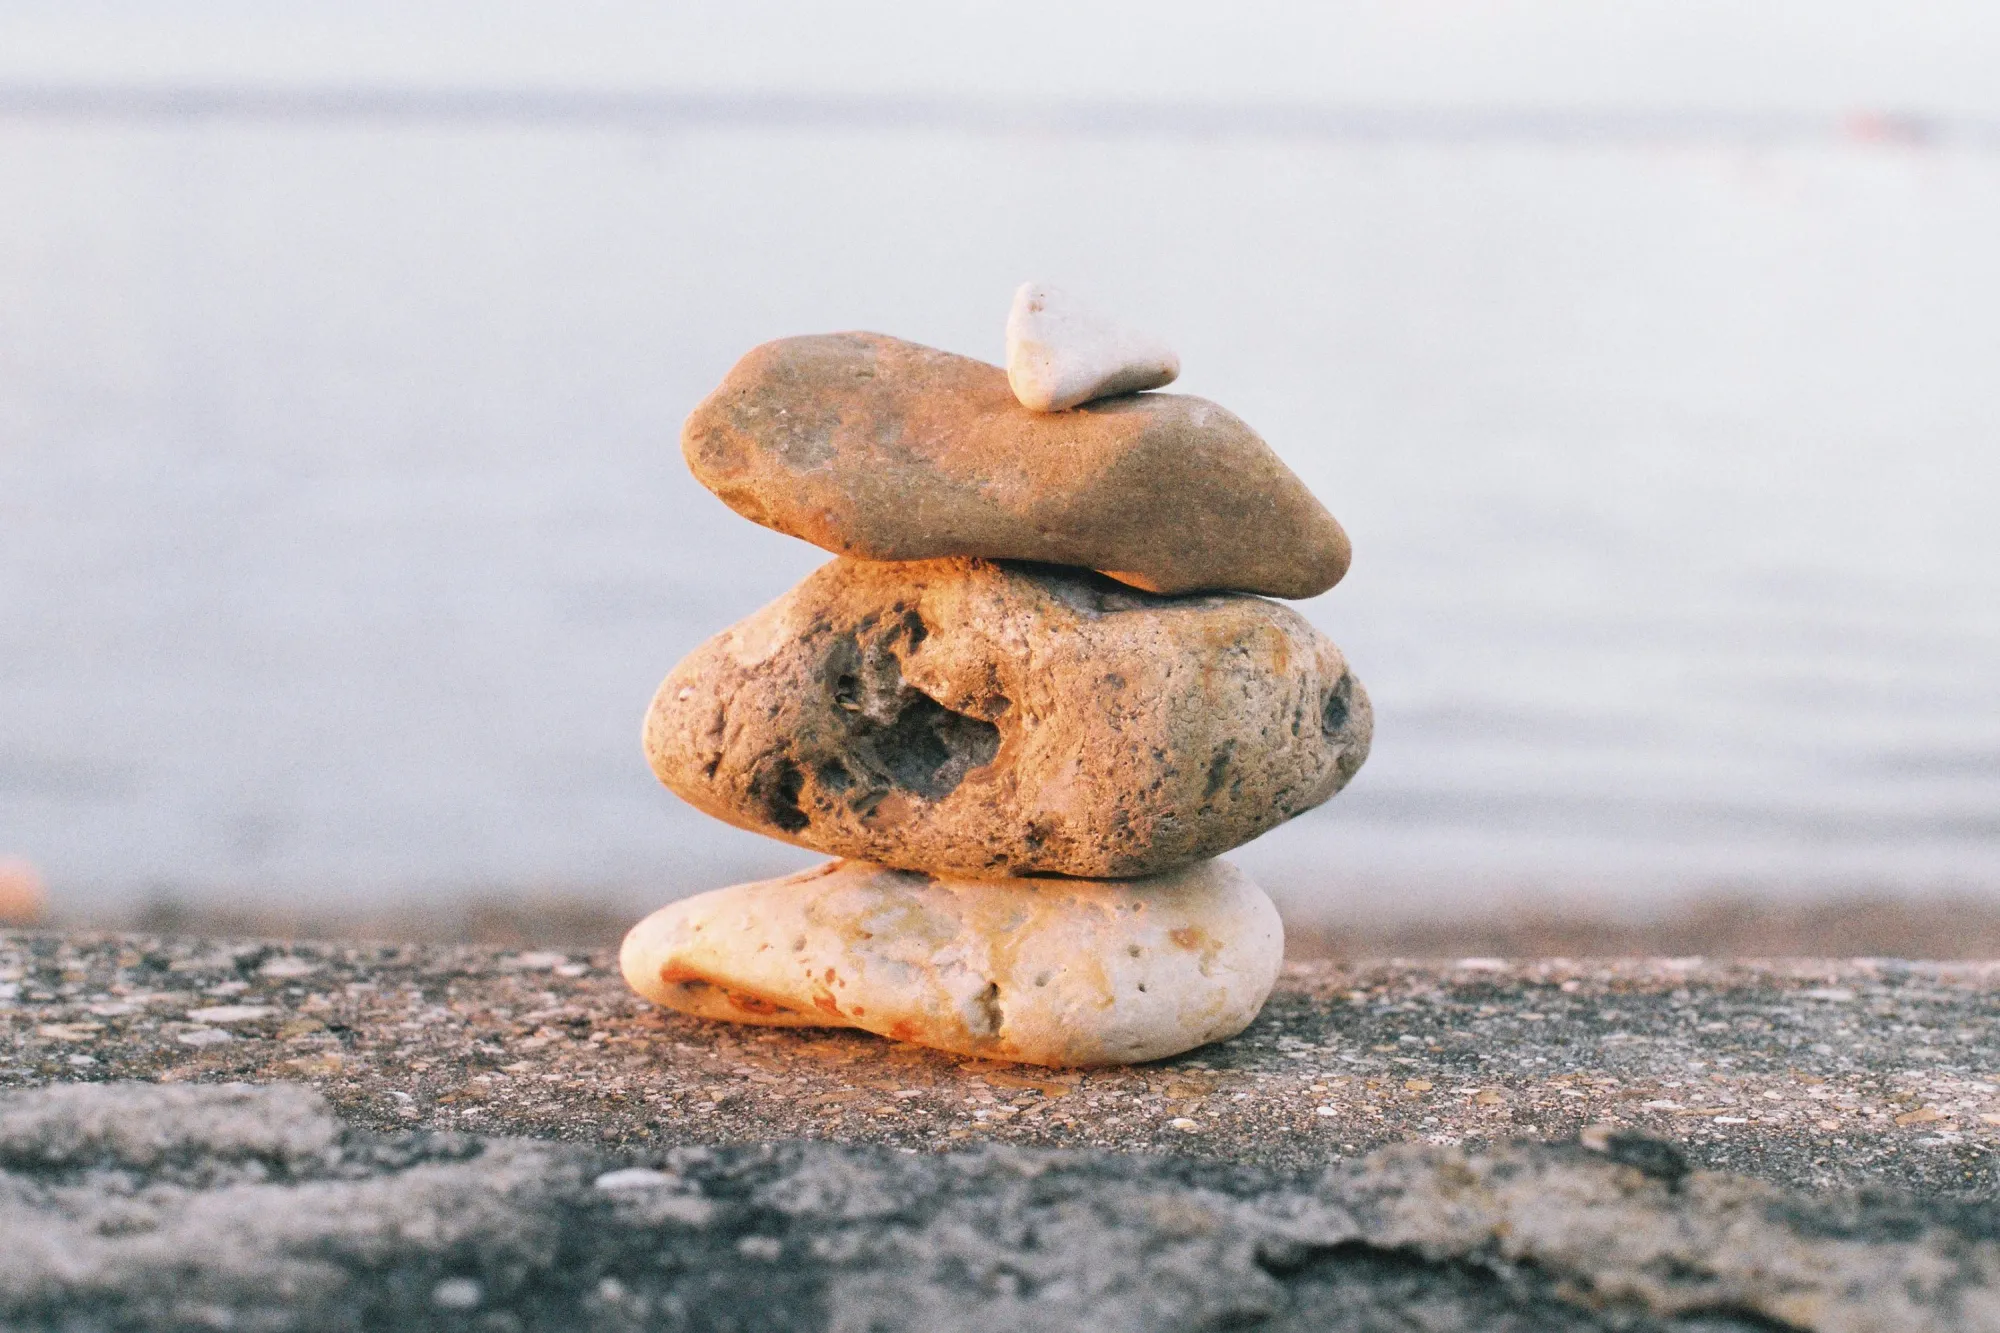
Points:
x=1326, y=1111
x=539, y=961
x=457, y=1293
x=204, y=1037
x=1183, y=1123
x=760, y=1247
x=230, y=1013
x=1060, y=354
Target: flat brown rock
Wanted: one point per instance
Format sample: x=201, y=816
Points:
x=1044, y=971
x=971, y=718
x=873, y=447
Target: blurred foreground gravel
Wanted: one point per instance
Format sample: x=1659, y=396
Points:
x=1728, y=1113
x=136, y=1206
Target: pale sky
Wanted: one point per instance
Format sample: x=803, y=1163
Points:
x=1709, y=55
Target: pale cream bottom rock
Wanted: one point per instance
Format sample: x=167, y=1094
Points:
x=1043, y=971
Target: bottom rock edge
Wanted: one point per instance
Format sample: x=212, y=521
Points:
x=1041, y=971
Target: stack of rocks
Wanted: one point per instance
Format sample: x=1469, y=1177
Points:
x=1032, y=700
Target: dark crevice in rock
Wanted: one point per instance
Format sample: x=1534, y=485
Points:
x=1725, y=1320
x=1339, y=705
x=1875, y=1216
x=847, y=692
x=841, y=668
x=1087, y=591
x=1650, y=1156
x=1357, y=1285
x=893, y=737
x=986, y=1010
x=777, y=787
x=1218, y=771
x=928, y=748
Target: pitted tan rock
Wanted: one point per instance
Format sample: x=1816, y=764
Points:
x=969, y=717
x=873, y=447
x=1046, y=971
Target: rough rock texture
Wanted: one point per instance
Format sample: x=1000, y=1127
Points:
x=139, y=1207
x=1060, y=354
x=873, y=447
x=1817, y=1074
x=1044, y=971
x=972, y=718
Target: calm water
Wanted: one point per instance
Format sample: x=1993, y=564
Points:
x=344, y=535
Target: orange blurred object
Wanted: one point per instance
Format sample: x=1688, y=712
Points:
x=24, y=898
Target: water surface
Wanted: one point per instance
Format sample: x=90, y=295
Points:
x=343, y=531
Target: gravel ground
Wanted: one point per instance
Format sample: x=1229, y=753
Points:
x=1811, y=1074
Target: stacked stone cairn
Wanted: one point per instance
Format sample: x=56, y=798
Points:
x=1039, y=691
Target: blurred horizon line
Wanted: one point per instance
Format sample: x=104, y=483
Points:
x=1114, y=118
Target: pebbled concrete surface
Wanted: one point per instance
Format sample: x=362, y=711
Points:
x=139, y=1206
x=1813, y=1074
